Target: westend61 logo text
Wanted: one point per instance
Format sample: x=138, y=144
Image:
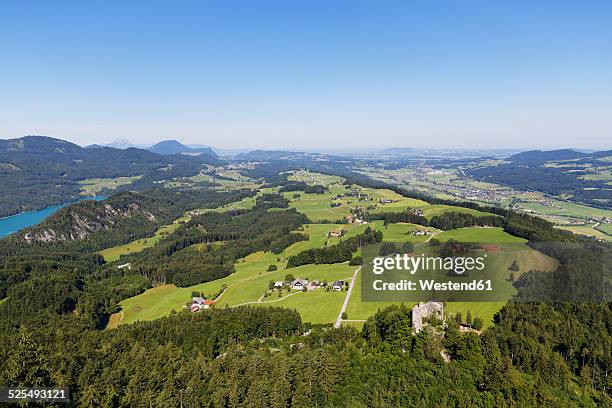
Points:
x=411, y=264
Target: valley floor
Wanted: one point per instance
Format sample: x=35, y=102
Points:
x=249, y=284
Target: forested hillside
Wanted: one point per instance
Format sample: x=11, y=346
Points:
x=565, y=173
x=257, y=358
x=56, y=298
x=37, y=171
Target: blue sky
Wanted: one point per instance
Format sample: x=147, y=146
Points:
x=328, y=74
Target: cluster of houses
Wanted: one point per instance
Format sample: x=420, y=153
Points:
x=353, y=219
x=420, y=232
x=304, y=284
x=465, y=192
x=199, y=303
x=387, y=201
x=416, y=211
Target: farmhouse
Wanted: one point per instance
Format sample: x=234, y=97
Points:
x=279, y=284
x=425, y=311
x=417, y=211
x=299, y=284
x=207, y=304
x=199, y=303
x=420, y=232
x=338, y=285
x=313, y=285
x=334, y=234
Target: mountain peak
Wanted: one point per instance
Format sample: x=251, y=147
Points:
x=175, y=147
x=121, y=143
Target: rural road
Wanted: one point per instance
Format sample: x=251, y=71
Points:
x=347, y=298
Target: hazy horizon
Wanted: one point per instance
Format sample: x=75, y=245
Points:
x=318, y=75
x=320, y=149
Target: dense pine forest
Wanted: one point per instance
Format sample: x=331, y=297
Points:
x=537, y=355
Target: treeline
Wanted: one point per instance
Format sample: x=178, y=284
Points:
x=40, y=280
x=187, y=257
x=407, y=216
x=584, y=271
x=445, y=221
x=451, y=220
x=342, y=252
x=256, y=357
x=301, y=186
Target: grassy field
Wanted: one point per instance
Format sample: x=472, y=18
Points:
x=314, y=178
x=586, y=230
x=245, y=204
x=497, y=270
x=256, y=287
x=317, y=306
x=93, y=186
x=485, y=310
x=440, y=182
x=114, y=253
x=607, y=228
x=478, y=234
x=317, y=206
x=247, y=284
x=564, y=208
x=437, y=209
x=402, y=232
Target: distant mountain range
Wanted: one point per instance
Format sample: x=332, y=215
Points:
x=39, y=171
x=165, y=147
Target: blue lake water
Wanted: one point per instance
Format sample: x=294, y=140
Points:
x=14, y=223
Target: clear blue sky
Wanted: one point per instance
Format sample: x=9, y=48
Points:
x=310, y=74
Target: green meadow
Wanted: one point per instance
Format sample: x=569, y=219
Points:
x=249, y=283
x=497, y=270
x=586, y=230
x=479, y=234
x=93, y=186
x=317, y=206
x=565, y=208
x=114, y=253
x=317, y=306
x=607, y=228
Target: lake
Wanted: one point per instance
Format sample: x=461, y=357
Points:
x=14, y=223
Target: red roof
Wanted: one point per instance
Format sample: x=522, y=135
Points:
x=209, y=302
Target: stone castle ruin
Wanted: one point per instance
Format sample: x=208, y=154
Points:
x=424, y=311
